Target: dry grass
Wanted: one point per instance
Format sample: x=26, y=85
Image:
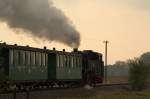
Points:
x=87, y=94
x=96, y=93
x=117, y=79
x=110, y=95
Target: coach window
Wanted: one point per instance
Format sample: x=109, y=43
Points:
x=40, y=59
x=76, y=58
x=67, y=62
x=19, y=57
x=80, y=62
x=77, y=64
x=70, y=64
x=36, y=58
x=75, y=61
x=43, y=59
x=15, y=57
x=11, y=57
x=28, y=57
x=23, y=57
x=64, y=61
x=46, y=60
x=33, y=58
x=71, y=61
x=57, y=58
x=61, y=60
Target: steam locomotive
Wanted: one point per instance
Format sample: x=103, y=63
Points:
x=24, y=66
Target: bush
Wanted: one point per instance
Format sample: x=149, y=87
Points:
x=138, y=74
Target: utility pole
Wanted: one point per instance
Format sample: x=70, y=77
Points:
x=105, y=69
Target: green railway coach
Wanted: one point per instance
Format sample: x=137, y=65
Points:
x=24, y=66
x=65, y=66
x=23, y=63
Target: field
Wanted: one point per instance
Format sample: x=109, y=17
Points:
x=117, y=95
x=117, y=79
x=114, y=95
x=83, y=93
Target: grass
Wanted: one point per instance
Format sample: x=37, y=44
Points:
x=124, y=95
x=110, y=94
x=115, y=95
x=96, y=93
x=117, y=79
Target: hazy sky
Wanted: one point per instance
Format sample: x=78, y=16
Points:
x=125, y=23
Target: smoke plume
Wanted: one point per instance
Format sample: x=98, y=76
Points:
x=39, y=18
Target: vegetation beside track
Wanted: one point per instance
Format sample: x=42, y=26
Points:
x=117, y=79
x=104, y=92
x=108, y=94
x=120, y=95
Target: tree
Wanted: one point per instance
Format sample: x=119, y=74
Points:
x=145, y=58
x=138, y=74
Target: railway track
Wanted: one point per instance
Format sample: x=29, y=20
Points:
x=57, y=88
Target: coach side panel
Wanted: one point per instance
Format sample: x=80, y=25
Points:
x=27, y=65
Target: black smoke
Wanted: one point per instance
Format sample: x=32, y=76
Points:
x=39, y=18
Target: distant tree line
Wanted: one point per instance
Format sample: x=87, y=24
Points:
x=121, y=68
x=137, y=70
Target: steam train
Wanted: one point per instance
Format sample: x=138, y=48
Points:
x=24, y=66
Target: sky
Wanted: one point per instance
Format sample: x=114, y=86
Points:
x=124, y=23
